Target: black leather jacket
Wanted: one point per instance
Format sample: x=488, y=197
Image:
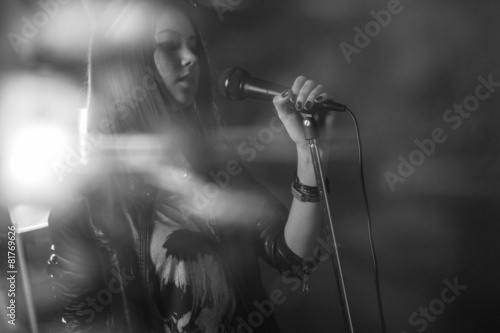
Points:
x=101, y=269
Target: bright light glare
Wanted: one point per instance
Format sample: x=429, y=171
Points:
x=32, y=153
x=29, y=217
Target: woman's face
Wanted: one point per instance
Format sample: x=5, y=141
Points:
x=176, y=56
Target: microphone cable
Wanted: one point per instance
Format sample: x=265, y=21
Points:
x=370, y=232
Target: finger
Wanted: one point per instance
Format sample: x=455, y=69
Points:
x=304, y=93
x=297, y=85
x=281, y=101
x=283, y=98
x=281, y=104
x=322, y=97
x=318, y=94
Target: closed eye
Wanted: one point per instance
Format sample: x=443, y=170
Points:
x=193, y=45
x=169, y=45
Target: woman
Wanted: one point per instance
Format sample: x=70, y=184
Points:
x=139, y=251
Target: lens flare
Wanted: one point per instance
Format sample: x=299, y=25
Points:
x=31, y=155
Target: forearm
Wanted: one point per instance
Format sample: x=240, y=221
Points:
x=304, y=223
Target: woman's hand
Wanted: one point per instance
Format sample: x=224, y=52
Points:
x=304, y=95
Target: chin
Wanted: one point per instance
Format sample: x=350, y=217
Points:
x=185, y=101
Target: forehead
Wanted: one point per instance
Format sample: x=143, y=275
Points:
x=172, y=19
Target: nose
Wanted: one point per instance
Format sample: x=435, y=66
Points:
x=188, y=57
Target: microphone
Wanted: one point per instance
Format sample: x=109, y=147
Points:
x=236, y=84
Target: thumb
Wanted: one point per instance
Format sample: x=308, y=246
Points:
x=281, y=102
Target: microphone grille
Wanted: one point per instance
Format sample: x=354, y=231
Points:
x=229, y=83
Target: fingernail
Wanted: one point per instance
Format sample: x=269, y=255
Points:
x=298, y=106
x=319, y=98
x=285, y=93
x=293, y=98
x=308, y=105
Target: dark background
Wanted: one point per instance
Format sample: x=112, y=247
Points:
x=441, y=223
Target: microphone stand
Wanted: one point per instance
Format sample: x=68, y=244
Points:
x=312, y=134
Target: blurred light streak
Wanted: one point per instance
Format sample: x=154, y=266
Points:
x=84, y=145
x=68, y=32
x=124, y=22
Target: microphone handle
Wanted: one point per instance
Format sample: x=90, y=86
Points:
x=265, y=90
x=262, y=89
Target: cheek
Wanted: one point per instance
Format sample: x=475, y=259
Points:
x=165, y=64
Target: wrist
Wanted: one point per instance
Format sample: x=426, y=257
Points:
x=305, y=167
x=304, y=154
x=302, y=146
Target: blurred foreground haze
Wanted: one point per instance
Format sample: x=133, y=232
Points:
x=439, y=224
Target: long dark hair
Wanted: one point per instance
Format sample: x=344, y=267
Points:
x=125, y=91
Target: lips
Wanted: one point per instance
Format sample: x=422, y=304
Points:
x=187, y=79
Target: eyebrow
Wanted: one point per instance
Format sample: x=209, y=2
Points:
x=175, y=32
x=168, y=30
